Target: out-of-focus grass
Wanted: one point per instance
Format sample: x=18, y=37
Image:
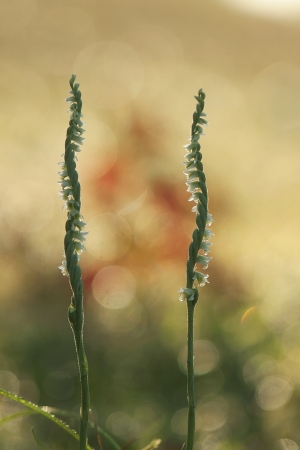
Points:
x=139, y=65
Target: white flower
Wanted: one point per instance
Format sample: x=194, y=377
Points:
x=188, y=294
x=209, y=220
x=201, y=278
x=208, y=234
x=63, y=268
x=203, y=260
x=205, y=247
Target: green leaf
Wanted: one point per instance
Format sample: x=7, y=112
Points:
x=14, y=416
x=43, y=412
x=36, y=439
x=63, y=413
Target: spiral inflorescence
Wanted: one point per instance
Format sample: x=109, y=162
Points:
x=70, y=192
x=196, y=182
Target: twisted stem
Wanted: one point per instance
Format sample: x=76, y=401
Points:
x=73, y=246
x=196, y=182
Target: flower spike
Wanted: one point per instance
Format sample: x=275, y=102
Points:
x=196, y=182
x=70, y=186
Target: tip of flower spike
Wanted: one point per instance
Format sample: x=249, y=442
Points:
x=72, y=80
x=201, y=94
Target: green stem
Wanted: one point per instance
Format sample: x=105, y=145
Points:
x=83, y=371
x=77, y=328
x=190, y=376
x=190, y=361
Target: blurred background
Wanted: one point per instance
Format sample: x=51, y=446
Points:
x=139, y=64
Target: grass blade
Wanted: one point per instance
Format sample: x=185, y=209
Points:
x=36, y=439
x=43, y=411
x=63, y=413
x=7, y=419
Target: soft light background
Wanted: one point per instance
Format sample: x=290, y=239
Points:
x=139, y=64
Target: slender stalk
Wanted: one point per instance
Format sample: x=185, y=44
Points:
x=196, y=182
x=73, y=244
x=190, y=376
